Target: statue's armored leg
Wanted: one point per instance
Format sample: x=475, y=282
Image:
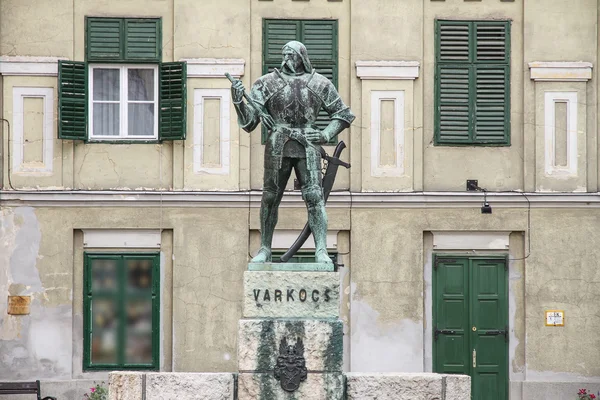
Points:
x=273, y=188
x=312, y=193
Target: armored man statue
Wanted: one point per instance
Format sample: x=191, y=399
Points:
x=287, y=102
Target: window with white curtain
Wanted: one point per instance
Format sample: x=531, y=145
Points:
x=124, y=102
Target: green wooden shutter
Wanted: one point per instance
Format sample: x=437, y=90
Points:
x=123, y=39
x=320, y=39
x=453, y=82
x=72, y=100
x=492, y=81
x=142, y=40
x=104, y=39
x=472, y=82
x=454, y=109
x=173, y=99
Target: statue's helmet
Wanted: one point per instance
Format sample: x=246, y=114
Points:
x=302, y=52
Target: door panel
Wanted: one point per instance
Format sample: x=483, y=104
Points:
x=452, y=316
x=470, y=317
x=489, y=314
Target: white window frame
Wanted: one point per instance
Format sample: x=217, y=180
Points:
x=123, y=102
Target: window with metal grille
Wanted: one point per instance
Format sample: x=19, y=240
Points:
x=472, y=83
x=121, y=311
x=321, y=40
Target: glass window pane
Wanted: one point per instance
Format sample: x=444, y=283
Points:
x=141, y=119
x=106, y=84
x=139, y=274
x=104, y=331
x=139, y=331
x=106, y=119
x=104, y=275
x=141, y=84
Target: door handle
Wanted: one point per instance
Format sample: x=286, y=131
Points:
x=474, y=358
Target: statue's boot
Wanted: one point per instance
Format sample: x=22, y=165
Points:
x=317, y=220
x=263, y=256
x=321, y=256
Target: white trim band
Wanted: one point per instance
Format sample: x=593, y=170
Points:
x=561, y=71
x=387, y=69
x=214, y=67
x=122, y=238
x=29, y=66
x=112, y=198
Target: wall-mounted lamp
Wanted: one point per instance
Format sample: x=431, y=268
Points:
x=472, y=186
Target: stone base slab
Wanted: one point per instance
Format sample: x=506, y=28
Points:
x=170, y=386
x=315, y=387
x=277, y=294
x=125, y=385
x=189, y=386
x=259, y=341
x=418, y=386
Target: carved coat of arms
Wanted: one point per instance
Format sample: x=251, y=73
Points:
x=291, y=365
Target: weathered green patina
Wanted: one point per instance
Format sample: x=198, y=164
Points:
x=287, y=102
x=291, y=267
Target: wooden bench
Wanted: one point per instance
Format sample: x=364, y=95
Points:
x=23, y=388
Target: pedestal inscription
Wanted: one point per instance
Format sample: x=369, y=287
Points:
x=272, y=294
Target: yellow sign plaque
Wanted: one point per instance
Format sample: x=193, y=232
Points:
x=555, y=318
x=18, y=305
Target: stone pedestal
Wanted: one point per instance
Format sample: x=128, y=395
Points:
x=290, y=324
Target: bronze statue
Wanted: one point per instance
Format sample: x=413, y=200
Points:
x=287, y=102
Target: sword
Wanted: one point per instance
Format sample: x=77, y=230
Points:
x=333, y=163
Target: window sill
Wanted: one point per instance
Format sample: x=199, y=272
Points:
x=126, y=141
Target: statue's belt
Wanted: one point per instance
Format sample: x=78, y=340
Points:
x=297, y=133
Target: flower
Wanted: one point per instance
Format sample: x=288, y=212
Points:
x=98, y=392
x=584, y=395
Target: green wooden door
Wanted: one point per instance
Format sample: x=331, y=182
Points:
x=470, y=322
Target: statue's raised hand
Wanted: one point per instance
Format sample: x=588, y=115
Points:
x=237, y=91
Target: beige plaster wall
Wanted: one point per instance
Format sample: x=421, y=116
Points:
x=448, y=167
x=386, y=284
x=36, y=28
x=385, y=30
x=564, y=277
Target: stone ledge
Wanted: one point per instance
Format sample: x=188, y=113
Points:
x=170, y=386
x=458, y=387
x=316, y=387
x=214, y=67
x=561, y=71
x=189, y=386
x=259, y=341
x=29, y=65
x=124, y=385
x=385, y=70
x=405, y=386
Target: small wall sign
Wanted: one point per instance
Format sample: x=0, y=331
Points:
x=555, y=318
x=18, y=305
